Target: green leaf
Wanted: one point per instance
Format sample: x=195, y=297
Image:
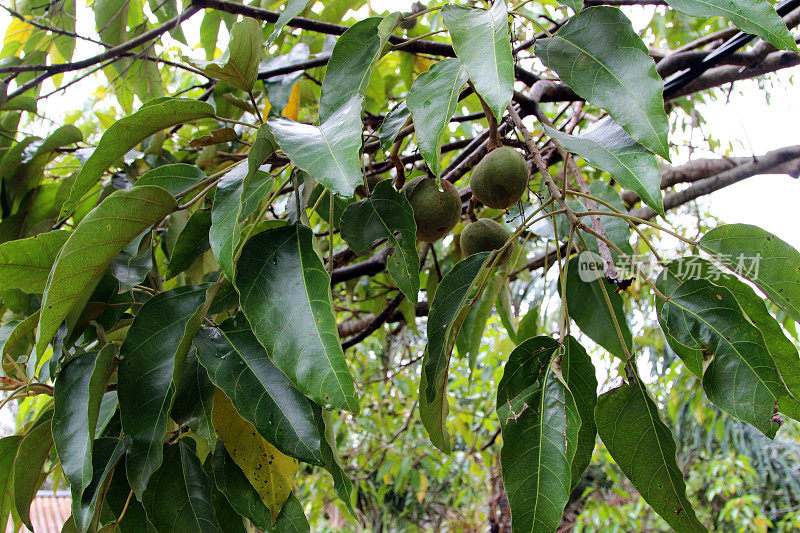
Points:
x=739, y=374
x=16, y=336
x=433, y=99
x=178, y=498
x=99, y=237
x=236, y=197
x=447, y=312
x=8, y=454
x=352, y=60
x=330, y=152
x=106, y=454
x=392, y=123
x=782, y=350
x=384, y=214
x=539, y=422
x=26, y=263
x=125, y=134
x=177, y=178
x=31, y=455
x=192, y=242
x=119, y=497
x=330, y=456
x=285, y=294
x=528, y=326
x=758, y=255
x=232, y=482
x=269, y=471
x=601, y=57
x=609, y=147
x=587, y=306
x=77, y=395
x=152, y=359
x=290, y=11
x=579, y=374
x=194, y=399
x=752, y=16
x=470, y=335
x=643, y=447
x=239, y=64
x=481, y=42
x=262, y=395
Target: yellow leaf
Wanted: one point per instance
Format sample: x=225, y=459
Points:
x=292, y=109
x=423, y=487
x=19, y=31
x=268, y=470
x=422, y=64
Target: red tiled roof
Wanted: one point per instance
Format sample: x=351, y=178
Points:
x=48, y=512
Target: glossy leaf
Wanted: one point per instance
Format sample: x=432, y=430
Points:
x=176, y=179
x=262, y=395
x=641, y=444
x=77, y=395
x=579, y=375
x=539, y=422
x=290, y=11
x=609, y=147
x=353, y=57
x=232, y=482
x=738, y=372
x=384, y=214
x=752, y=16
x=587, y=306
x=152, y=357
x=31, y=455
x=447, y=312
x=285, y=294
x=330, y=456
x=126, y=133
x=107, y=452
x=601, y=57
x=194, y=399
x=8, y=454
x=26, y=263
x=178, y=498
x=392, y=124
x=328, y=152
x=192, y=242
x=433, y=99
x=99, y=237
x=470, y=335
x=239, y=64
x=481, y=42
x=768, y=261
x=269, y=471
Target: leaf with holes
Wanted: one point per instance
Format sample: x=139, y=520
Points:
x=539, y=422
x=756, y=254
x=738, y=372
x=641, y=444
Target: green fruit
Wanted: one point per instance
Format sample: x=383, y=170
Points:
x=436, y=212
x=500, y=178
x=485, y=235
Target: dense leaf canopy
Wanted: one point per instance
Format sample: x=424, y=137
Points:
x=217, y=313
